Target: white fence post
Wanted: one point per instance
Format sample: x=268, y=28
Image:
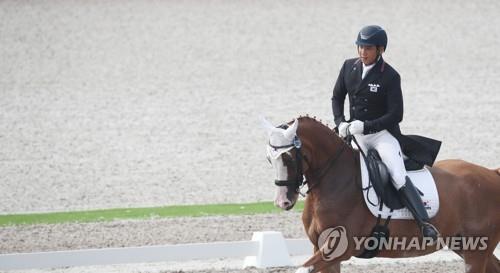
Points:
x=272, y=252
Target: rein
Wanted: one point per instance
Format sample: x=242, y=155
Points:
x=370, y=186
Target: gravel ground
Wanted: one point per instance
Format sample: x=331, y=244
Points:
x=151, y=232
x=441, y=267
x=144, y=103
x=446, y=264
x=428, y=267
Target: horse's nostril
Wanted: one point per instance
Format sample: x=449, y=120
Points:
x=286, y=204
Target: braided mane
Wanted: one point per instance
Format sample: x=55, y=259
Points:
x=317, y=120
x=320, y=122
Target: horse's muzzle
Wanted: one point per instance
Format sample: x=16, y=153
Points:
x=285, y=205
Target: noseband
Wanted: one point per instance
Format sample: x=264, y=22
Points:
x=298, y=181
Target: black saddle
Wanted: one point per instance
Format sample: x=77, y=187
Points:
x=381, y=180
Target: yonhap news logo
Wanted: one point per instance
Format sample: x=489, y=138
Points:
x=333, y=243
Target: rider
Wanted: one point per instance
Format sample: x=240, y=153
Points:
x=376, y=108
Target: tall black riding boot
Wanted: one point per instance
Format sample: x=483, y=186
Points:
x=411, y=199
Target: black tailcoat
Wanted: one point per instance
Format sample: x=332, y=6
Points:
x=377, y=100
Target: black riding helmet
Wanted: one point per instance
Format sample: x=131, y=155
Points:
x=372, y=35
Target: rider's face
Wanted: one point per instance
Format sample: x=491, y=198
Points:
x=367, y=53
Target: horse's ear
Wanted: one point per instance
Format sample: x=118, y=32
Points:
x=291, y=132
x=267, y=125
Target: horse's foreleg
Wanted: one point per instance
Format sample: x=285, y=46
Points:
x=309, y=268
x=335, y=268
x=332, y=268
x=481, y=261
x=493, y=265
x=317, y=264
x=475, y=261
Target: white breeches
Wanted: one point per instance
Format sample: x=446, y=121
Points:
x=390, y=152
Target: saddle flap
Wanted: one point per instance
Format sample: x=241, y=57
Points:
x=423, y=181
x=381, y=181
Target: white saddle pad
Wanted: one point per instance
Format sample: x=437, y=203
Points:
x=422, y=179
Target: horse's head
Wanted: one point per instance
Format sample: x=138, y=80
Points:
x=283, y=152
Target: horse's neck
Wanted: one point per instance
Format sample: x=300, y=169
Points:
x=342, y=180
x=344, y=176
x=322, y=144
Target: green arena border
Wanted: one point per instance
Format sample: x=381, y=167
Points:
x=106, y=215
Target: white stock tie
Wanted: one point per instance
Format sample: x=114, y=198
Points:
x=366, y=68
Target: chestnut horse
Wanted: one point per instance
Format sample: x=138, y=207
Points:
x=469, y=197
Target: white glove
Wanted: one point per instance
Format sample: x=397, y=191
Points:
x=343, y=129
x=357, y=127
